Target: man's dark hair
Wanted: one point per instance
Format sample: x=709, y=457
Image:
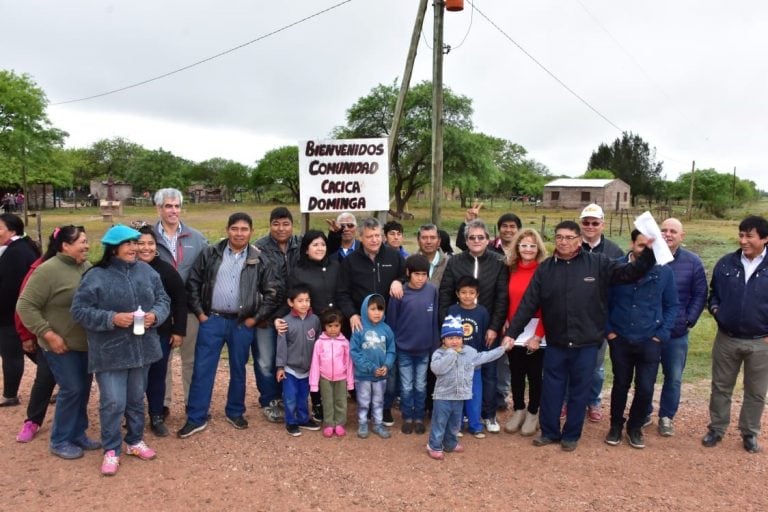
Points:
x=468, y=282
x=635, y=233
x=568, y=224
x=416, y=263
x=281, y=212
x=393, y=225
x=755, y=222
x=509, y=217
x=296, y=290
x=237, y=217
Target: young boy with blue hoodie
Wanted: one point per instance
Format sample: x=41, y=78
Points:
x=373, y=355
x=413, y=318
x=454, y=365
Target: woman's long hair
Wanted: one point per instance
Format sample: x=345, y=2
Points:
x=309, y=237
x=513, y=260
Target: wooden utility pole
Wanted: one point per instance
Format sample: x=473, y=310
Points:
x=733, y=187
x=437, y=112
x=690, y=193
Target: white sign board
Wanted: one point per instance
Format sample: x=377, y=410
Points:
x=343, y=175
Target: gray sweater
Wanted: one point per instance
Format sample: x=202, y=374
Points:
x=294, y=348
x=454, y=370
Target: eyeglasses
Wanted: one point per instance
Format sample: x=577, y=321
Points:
x=476, y=238
x=569, y=238
x=593, y=223
x=347, y=226
x=528, y=246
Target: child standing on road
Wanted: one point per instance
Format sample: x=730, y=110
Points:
x=414, y=320
x=474, y=320
x=454, y=365
x=331, y=372
x=293, y=358
x=373, y=352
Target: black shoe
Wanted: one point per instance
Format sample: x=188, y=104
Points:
x=636, y=438
x=317, y=412
x=750, y=443
x=9, y=402
x=407, y=427
x=190, y=428
x=166, y=412
x=239, y=423
x=419, y=428
x=293, y=430
x=157, y=425
x=310, y=425
x=614, y=436
x=647, y=421
x=568, y=446
x=543, y=441
x=389, y=420
x=711, y=438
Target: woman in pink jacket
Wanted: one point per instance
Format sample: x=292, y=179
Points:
x=331, y=372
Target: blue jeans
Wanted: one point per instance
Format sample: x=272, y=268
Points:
x=264, y=350
x=70, y=418
x=488, y=371
x=572, y=367
x=370, y=395
x=156, y=379
x=640, y=359
x=473, y=405
x=673, y=356
x=295, y=396
x=413, y=385
x=122, y=394
x=598, y=377
x=211, y=337
x=446, y=422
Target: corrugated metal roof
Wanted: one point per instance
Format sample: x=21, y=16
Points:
x=578, y=183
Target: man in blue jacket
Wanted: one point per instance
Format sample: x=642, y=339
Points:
x=691, y=282
x=640, y=318
x=738, y=299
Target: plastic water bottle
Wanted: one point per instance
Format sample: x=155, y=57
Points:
x=138, y=322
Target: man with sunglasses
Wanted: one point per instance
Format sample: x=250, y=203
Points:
x=342, y=235
x=593, y=240
x=179, y=245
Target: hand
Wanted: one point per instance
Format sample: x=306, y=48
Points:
x=611, y=336
x=149, y=320
x=281, y=326
x=380, y=372
x=123, y=320
x=29, y=346
x=490, y=337
x=508, y=343
x=333, y=225
x=280, y=375
x=396, y=289
x=249, y=322
x=355, y=323
x=56, y=342
x=176, y=340
x=473, y=212
x=533, y=344
x=202, y=318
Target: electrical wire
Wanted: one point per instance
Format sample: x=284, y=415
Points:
x=547, y=71
x=207, y=59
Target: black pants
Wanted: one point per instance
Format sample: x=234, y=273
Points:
x=42, y=389
x=521, y=366
x=13, y=360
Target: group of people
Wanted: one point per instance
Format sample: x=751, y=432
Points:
x=351, y=311
x=13, y=202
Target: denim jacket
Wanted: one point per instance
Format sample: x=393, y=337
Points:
x=454, y=370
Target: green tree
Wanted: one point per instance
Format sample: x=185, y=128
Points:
x=27, y=137
x=149, y=170
x=598, y=174
x=715, y=192
x=631, y=159
x=470, y=162
x=281, y=167
x=410, y=169
x=234, y=177
x=111, y=158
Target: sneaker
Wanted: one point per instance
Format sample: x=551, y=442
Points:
x=190, y=428
x=67, y=451
x=459, y=448
x=563, y=411
x=515, y=421
x=317, y=412
x=239, y=423
x=389, y=420
x=340, y=430
x=310, y=425
x=110, y=463
x=459, y=434
x=492, y=426
x=273, y=412
x=328, y=432
x=478, y=435
x=86, y=443
x=419, y=427
x=530, y=425
x=594, y=413
x=666, y=428
x=407, y=427
x=28, y=431
x=10, y=402
x=362, y=431
x=381, y=431
x=614, y=436
x=141, y=450
x=435, y=454
x=293, y=430
x=647, y=421
x=568, y=446
x=543, y=441
x=157, y=425
x=636, y=438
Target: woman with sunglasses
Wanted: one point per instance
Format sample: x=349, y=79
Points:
x=171, y=332
x=44, y=309
x=17, y=253
x=525, y=358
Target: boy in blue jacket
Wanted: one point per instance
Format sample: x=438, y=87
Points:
x=372, y=350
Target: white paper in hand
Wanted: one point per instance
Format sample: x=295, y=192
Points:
x=646, y=224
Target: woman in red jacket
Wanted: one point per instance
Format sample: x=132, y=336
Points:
x=527, y=251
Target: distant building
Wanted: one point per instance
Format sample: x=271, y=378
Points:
x=611, y=195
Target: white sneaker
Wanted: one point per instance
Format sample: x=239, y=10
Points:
x=492, y=426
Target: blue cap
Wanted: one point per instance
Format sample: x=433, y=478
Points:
x=118, y=234
x=452, y=327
